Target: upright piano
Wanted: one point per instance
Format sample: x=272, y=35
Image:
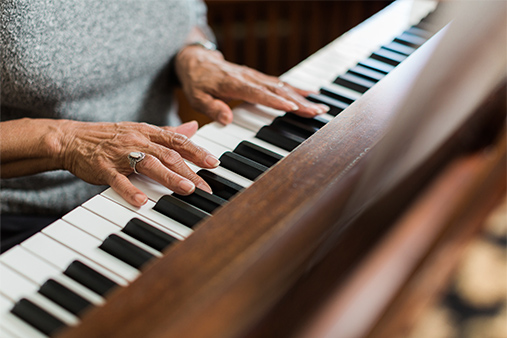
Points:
x=316, y=227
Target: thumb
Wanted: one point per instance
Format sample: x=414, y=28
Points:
x=188, y=129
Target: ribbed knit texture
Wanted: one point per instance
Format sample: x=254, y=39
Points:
x=88, y=60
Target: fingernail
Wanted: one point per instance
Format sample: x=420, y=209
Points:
x=140, y=199
x=322, y=109
x=293, y=106
x=187, y=186
x=204, y=187
x=223, y=118
x=212, y=161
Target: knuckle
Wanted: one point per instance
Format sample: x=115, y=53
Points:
x=179, y=140
x=170, y=157
x=168, y=177
x=148, y=163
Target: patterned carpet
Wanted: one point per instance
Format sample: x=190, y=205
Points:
x=475, y=305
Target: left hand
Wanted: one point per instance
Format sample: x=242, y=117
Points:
x=207, y=80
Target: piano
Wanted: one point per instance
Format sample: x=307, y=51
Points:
x=268, y=249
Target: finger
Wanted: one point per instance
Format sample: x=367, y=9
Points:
x=184, y=147
x=305, y=108
x=254, y=93
x=302, y=92
x=188, y=128
x=295, y=95
x=127, y=190
x=173, y=161
x=217, y=109
x=153, y=168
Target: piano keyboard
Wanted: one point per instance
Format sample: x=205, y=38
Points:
x=52, y=278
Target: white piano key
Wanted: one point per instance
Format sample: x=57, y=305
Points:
x=61, y=256
x=226, y=140
x=319, y=71
x=214, y=148
x=254, y=117
x=296, y=80
x=307, y=79
x=39, y=271
x=11, y=324
x=235, y=130
x=53, y=309
x=226, y=135
x=18, y=327
x=148, y=212
x=117, y=213
x=240, y=132
x=31, y=267
x=7, y=332
x=13, y=285
x=6, y=304
x=225, y=173
x=101, y=228
x=91, y=223
x=79, y=289
x=151, y=188
x=88, y=246
x=345, y=91
x=218, y=150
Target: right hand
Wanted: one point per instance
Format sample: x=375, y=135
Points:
x=97, y=153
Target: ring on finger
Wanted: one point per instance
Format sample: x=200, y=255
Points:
x=134, y=158
x=280, y=84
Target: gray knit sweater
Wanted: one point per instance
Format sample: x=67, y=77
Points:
x=89, y=60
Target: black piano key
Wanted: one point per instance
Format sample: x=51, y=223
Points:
x=410, y=40
x=293, y=127
x=202, y=200
x=37, y=317
x=90, y=278
x=258, y=154
x=354, y=82
x=125, y=251
x=316, y=122
x=333, y=93
x=221, y=186
x=241, y=165
x=399, y=48
x=367, y=73
x=64, y=297
x=387, y=56
x=279, y=138
x=376, y=65
x=179, y=211
x=303, y=123
x=422, y=33
x=148, y=235
x=336, y=106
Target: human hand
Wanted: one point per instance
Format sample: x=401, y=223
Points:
x=97, y=153
x=207, y=80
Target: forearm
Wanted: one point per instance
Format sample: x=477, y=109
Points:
x=29, y=146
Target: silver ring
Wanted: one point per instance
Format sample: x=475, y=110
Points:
x=280, y=84
x=134, y=158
